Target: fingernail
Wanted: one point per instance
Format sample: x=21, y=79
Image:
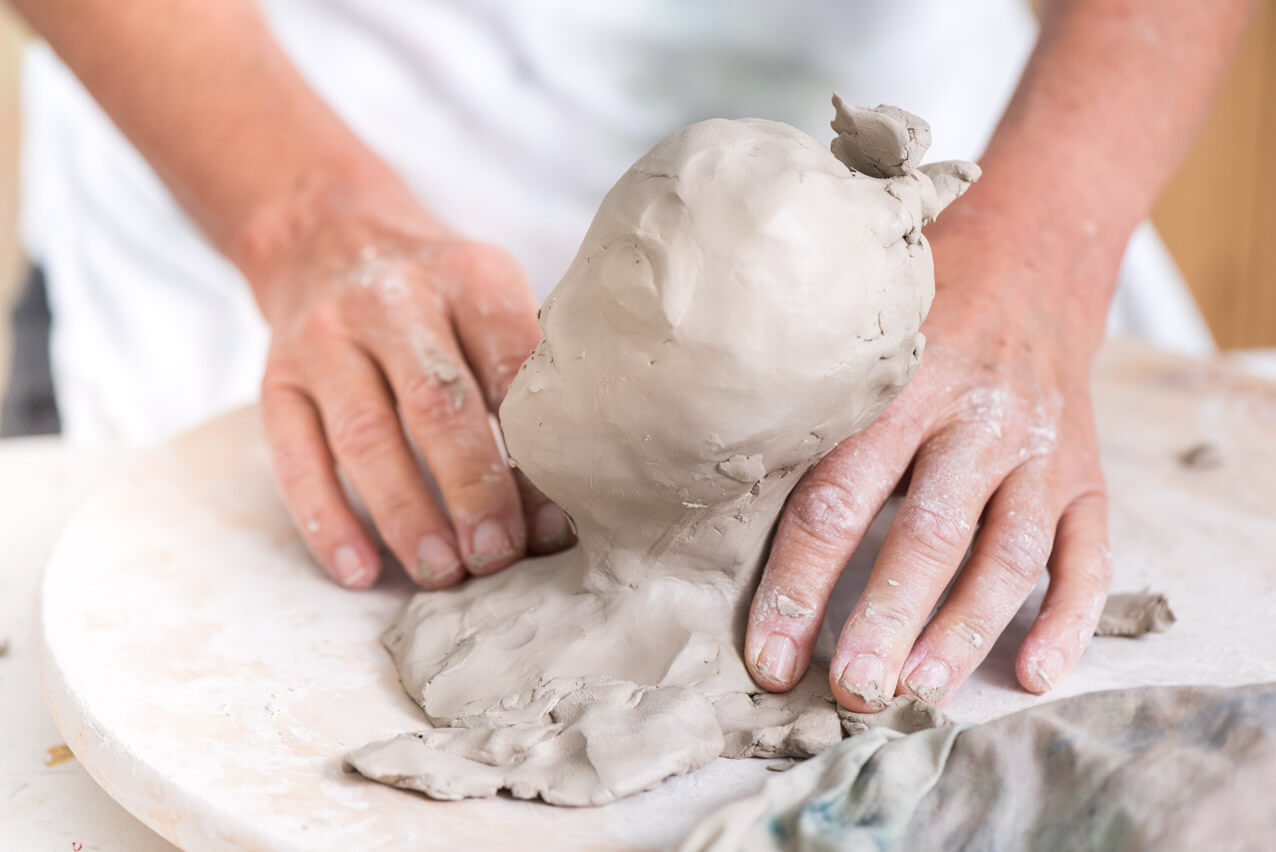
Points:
x=1050, y=668
x=550, y=527
x=437, y=562
x=778, y=659
x=864, y=677
x=491, y=544
x=929, y=681
x=348, y=567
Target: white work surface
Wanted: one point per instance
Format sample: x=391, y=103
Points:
x=210, y=679
x=57, y=807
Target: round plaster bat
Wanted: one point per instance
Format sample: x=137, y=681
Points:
x=744, y=299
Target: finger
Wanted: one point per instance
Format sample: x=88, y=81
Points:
x=823, y=522
x=365, y=435
x=496, y=328
x=549, y=531
x=495, y=323
x=954, y=474
x=1080, y=573
x=448, y=417
x=1009, y=555
x=307, y=477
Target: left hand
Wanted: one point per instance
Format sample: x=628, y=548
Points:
x=995, y=440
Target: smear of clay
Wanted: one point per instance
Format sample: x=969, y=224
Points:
x=439, y=367
x=791, y=608
x=1202, y=456
x=905, y=714
x=713, y=293
x=1134, y=614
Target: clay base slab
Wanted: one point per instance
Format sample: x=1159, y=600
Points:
x=210, y=679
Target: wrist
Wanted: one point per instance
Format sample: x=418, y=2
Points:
x=1004, y=269
x=1038, y=254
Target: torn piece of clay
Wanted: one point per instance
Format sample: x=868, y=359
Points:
x=4, y=646
x=58, y=754
x=1134, y=614
x=905, y=714
x=1201, y=456
x=739, y=291
x=883, y=142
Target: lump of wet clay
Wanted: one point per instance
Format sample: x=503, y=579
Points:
x=743, y=301
x=904, y=714
x=1134, y=614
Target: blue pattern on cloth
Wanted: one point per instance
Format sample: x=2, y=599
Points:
x=1186, y=767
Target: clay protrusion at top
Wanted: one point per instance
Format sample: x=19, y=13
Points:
x=881, y=141
x=951, y=178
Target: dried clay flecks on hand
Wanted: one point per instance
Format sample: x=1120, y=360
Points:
x=748, y=298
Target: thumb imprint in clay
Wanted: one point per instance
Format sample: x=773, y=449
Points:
x=744, y=300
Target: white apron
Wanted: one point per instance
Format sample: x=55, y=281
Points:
x=510, y=119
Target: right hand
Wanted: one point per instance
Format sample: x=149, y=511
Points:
x=390, y=331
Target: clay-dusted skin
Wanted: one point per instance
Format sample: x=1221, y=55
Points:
x=743, y=301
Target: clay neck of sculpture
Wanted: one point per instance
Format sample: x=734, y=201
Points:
x=720, y=547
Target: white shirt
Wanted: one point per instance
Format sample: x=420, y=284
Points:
x=509, y=118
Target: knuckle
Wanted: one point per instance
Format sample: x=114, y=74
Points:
x=281, y=385
x=294, y=466
x=975, y=629
x=937, y=531
x=362, y=432
x=887, y=621
x=396, y=514
x=427, y=399
x=1093, y=567
x=483, y=486
x=275, y=381
x=488, y=262
x=826, y=510
x=279, y=404
x=324, y=321
x=1022, y=553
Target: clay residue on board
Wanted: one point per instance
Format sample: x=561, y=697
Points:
x=1201, y=456
x=712, y=292
x=57, y=754
x=1134, y=614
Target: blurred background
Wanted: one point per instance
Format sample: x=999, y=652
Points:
x=1218, y=217
x=11, y=263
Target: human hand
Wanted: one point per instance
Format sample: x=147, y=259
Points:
x=998, y=430
x=390, y=331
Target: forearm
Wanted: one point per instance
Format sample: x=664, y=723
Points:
x=1106, y=108
x=204, y=92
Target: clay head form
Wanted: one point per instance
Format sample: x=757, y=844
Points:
x=743, y=301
